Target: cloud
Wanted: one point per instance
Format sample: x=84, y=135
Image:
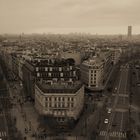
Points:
x=38, y=15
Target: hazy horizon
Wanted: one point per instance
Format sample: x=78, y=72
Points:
x=66, y=16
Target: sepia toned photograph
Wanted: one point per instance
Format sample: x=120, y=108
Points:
x=69, y=70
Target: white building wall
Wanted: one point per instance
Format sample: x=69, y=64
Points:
x=89, y=77
x=43, y=106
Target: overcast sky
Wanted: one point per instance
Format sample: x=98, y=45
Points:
x=63, y=16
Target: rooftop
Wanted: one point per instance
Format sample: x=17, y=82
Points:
x=53, y=62
x=94, y=61
x=59, y=87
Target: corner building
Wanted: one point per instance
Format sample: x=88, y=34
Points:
x=92, y=73
x=62, y=101
x=95, y=71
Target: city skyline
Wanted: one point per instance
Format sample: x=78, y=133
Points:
x=66, y=16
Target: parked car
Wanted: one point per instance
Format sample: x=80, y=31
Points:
x=109, y=110
x=106, y=121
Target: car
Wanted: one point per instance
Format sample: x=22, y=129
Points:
x=109, y=110
x=106, y=121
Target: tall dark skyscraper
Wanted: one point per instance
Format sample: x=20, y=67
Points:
x=129, y=34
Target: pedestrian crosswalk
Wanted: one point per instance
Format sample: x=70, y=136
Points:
x=113, y=134
x=3, y=134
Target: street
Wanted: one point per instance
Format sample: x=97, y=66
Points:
x=116, y=127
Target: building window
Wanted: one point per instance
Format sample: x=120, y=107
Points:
x=72, y=99
x=70, y=67
x=49, y=74
x=72, y=105
x=60, y=68
x=38, y=74
x=59, y=113
x=50, y=99
x=46, y=68
x=61, y=74
x=62, y=79
x=55, y=112
x=66, y=104
x=46, y=104
x=63, y=105
x=50, y=68
x=49, y=104
x=36, y=68
x=63, y=113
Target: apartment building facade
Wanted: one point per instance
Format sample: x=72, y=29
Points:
x=92, y=73
x=62, y=101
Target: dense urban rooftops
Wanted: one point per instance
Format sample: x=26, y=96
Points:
x=54, y=62
x=93, y=61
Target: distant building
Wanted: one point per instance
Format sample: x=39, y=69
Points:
x=116, y=54
x=76, y=56
x=106, y=55
x=129, y=34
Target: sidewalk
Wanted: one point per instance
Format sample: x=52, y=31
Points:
x=135, y=116
x=31, y=115
x=25, y=119
x=20, y=123
x=25, y=114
